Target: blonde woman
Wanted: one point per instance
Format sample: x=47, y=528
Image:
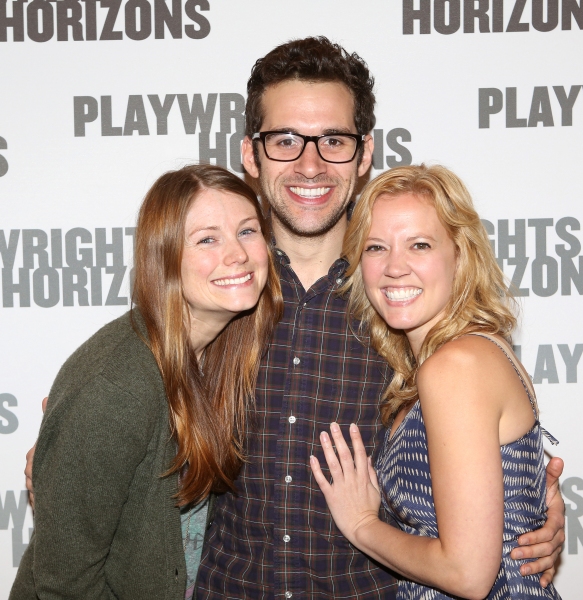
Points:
x=463, y=458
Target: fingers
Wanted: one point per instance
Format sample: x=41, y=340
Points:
x=547, y=577
x=319, y=475
x=373, y=475
x=554, y=470
x=28, y=475
x=44, y=403
x=546, y=564
x=330, y=455
x=342, y=448
x=360, y=457
x=553, y=533
x=546, y=553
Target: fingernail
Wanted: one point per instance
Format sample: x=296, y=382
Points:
x=525, y=570
x=324, y=437
x=518, y=554
x=353, y=428
x=334, y=427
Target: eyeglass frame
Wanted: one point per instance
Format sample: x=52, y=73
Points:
x=359, y=139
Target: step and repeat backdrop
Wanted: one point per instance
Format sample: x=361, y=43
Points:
x=99, y=97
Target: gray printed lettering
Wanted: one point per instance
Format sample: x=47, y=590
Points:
x=90, y=20
x=572, y=8
x=514, y=24
x=56, y=248
x=75, y=256
x=204, y=27
x=40, y=21
x=172, y=20
x=30, y=249
x=3, y=161
x=85, y=110
x=161, y=111
x=574, y=243
x=16, y=21
x=197, y=112
x=540, y=108
x=69, y=13
x=520, y=262
x=131, y=20
x=113, y=297
x=75, y=282
x=107, y=33
x=573, y=512
x=393, y=138
x=538, y=9
x=45, y=287
x=107, y=128
x=490, y=102
x=511, y=119
x=421, y=14
x=8, y=420
x=10, y=287
x=497, y=16
x=8, y=250
x=232, y=107
x=450, y=23
x=571, y=360
x=12, y=510
x=473, y=12
x=566, y=102
x=136, y=119
x=102, y=248
x=219, y=152
x=545, y=367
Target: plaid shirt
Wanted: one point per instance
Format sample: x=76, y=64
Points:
x=276, y=538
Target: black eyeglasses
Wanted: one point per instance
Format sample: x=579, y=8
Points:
x=285, y=146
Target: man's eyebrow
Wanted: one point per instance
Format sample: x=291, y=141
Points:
x=333, y=130
x=328, y=131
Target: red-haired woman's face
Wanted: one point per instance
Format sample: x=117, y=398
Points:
x=225, y=258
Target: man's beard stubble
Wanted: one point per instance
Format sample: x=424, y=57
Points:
x=277, y=210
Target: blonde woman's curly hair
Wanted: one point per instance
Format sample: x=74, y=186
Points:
x=480, y=300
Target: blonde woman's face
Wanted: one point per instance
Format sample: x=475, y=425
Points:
x=225, y=257
x=408, y=264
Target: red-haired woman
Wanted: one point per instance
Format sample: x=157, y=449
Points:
x=148, y=417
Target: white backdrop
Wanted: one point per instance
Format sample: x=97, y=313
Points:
x=96, y=102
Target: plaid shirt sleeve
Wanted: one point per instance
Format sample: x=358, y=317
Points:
x=276, y=538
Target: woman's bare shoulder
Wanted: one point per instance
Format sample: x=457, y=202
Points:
x=471, y=358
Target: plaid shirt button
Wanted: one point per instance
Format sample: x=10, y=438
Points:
x=292, y=419
x=296, y=360
x=288, y=478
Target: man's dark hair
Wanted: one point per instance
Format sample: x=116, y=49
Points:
x=313, y=59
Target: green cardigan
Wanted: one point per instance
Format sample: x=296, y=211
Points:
x=106, y=525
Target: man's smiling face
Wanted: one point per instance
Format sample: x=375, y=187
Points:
x=307, y=196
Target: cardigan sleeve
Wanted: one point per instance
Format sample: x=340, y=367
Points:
x=89, y=448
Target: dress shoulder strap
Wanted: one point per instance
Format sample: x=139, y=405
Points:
x=522, y=374
x=517, y=365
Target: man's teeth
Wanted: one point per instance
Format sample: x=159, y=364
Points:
x=402, y=294
x=310, y=192
x=234, y=281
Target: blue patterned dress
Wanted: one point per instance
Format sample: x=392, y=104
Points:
x=403, y=471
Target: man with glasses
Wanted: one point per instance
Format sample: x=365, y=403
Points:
x=308, y=120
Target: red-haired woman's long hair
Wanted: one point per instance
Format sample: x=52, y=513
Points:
x=207, y=407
